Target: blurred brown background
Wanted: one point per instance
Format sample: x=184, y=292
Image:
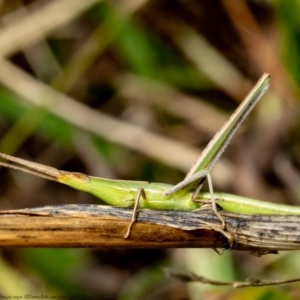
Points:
x=134, y=90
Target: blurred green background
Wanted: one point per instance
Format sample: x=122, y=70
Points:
x=134, y=90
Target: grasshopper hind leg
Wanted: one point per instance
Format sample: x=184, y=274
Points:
x=141, y=194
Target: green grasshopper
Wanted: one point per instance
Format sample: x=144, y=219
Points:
x=160, y=196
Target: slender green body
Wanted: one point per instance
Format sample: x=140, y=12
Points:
x=123, y=194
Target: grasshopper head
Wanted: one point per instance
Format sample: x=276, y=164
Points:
x=78, y=181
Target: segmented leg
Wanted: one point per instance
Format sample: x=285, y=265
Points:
x=141, y=194
x=201, y=174
x=212, y=197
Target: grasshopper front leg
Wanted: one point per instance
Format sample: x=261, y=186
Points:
x=140, y=194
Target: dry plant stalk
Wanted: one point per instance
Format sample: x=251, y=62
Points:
x=104, y=226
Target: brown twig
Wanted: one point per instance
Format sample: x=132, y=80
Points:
x=105, y=226
x=250, y=282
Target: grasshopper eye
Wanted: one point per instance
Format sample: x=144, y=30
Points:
x=81, y=177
